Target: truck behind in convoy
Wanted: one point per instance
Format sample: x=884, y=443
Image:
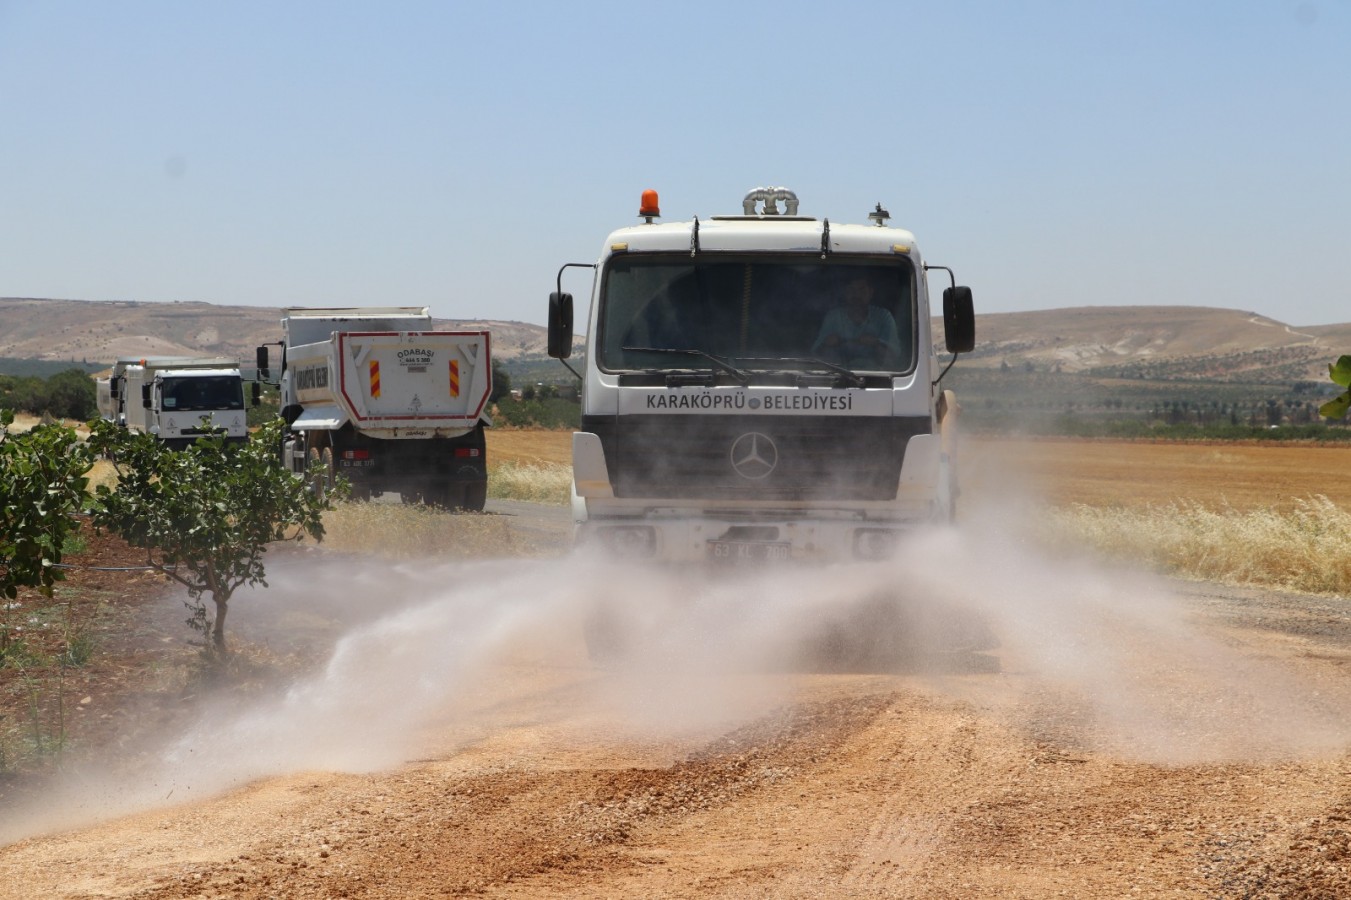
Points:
x=376, y=396
x=761, y=388
x=176, y=398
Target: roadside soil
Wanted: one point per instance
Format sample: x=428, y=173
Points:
x=51, y=703
x=980, y=777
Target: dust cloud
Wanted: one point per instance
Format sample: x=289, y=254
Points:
x=1114, y=660
x=428, y=657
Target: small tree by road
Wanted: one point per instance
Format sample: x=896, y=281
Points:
x=205, y=515
x=42, y=486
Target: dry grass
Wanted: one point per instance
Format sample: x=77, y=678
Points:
x=536, y=482
x=26, y=421
x=395, y=531
x=522, y=465
x=1272, y=515
x=530, y=465
x=1304, y=548
x=529, y=446
x=102, y=472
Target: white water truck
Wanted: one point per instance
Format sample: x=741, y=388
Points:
x=761, y=387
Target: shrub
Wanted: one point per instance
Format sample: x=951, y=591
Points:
x=206, y=514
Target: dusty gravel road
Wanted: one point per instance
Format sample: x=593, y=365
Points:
x=1128, y=738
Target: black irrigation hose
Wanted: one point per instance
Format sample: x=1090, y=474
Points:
x=115, y=568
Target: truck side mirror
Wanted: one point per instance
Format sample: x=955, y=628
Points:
x=560, y=325
x=257, y=393
x=112, y=388
x=959, y=319
x=145, y=395
x=261, y=361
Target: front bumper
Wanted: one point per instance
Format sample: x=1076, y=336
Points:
x=736, y=542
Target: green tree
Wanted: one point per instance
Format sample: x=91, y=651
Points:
x=42, y=485
x=1340, y=373
x=205, y=515
x=501, y=383
x=269, y=404
x=23, y=393
x=72, y=395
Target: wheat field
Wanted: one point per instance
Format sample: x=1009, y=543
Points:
x=1273, y=515
x=1269, y=515
x=1065, y=473
x=1265, y=514
x=1229, y=475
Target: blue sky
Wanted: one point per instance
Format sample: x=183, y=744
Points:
x=1054, y=153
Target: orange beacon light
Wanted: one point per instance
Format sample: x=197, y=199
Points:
x=648, y=208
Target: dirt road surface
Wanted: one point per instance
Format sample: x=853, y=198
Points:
x=1128, y=738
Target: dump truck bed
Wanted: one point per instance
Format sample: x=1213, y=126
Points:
x=401, y=384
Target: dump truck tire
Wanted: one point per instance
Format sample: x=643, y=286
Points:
x=475, y=496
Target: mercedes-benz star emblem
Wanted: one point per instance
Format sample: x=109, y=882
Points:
x=754, y=455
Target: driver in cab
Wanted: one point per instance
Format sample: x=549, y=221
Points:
x=856, y=334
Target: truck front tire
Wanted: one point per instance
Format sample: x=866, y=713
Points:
x=470, y=496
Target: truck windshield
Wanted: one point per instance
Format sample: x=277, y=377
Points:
x=855, y=313
x=204, y=392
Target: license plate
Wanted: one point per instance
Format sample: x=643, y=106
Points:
x=358, y=463
x=748, y=551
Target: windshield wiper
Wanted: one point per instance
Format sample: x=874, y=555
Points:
x=718, y=362
x=849, y=374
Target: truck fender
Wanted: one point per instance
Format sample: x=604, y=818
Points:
x=947, y=409
x=590, y=475
x=290, y=453
x=579, y=513
x=920, y=468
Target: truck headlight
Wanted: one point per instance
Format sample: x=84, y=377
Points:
x=629, y=541
x=875, y=543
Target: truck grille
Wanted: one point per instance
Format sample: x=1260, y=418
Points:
x=775, y=458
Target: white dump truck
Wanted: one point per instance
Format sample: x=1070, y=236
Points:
x=375, y=395
x=761, y=387
x=176, y=398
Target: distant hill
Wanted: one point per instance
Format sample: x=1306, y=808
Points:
x=1159, y=342
x=103, y=330
x=1154, y=343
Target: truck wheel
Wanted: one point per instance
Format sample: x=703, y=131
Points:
x=316, y=484
x=475, y=496
x=607, y=639
x=439, y=496
x=330, y=470
x=870, y=634
x=316, y=475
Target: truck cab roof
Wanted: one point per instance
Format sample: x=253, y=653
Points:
x=355, y=312
x=766, y=233
x=177, y=362
x=232, y=372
